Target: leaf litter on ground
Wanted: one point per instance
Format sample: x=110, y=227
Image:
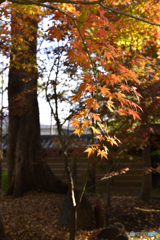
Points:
x=35, y=216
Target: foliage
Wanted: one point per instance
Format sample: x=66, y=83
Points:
x=108, y=44
x=95, y=68
x=107, y=53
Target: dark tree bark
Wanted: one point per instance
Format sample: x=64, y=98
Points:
x=26, y=170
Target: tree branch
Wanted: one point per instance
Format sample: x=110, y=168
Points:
x=44, y=5
x=128, y=15
x=41, y=3
x=25, y=2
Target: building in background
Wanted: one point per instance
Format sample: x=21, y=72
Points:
x=52, y=130
x=44, y=129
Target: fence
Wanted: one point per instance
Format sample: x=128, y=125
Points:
x=131, y=180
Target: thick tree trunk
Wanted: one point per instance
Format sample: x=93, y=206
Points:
x=26, y=170
x=147, y=177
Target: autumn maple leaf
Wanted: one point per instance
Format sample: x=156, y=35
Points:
x=100, y=137
x=78, y=131
x=134, y=114
x=112, y=141
x=122, y=111
x=90, y=151
x=102, y=153
x=95, y=130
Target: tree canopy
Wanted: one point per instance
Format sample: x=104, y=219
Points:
x=113, y=45
x=108, y=46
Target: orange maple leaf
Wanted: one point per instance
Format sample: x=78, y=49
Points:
x=102, y=153
x=95, y=116
x=122, y=111
x=78, y=131
x=86, y=124
x=112, y=28
x=74, y=122
x=91, y=88
x=90, y=151
x=108, y=55
x=100, y=137
x=112, y=141
x=96, y=145
x=134, y=114
x=104, y=90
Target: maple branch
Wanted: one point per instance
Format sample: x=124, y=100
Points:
x=92, y=62
x=45, y=5
x=41, y=3
x=128, y=15
x=53, y=8
x=1, y=72
x=56, y=1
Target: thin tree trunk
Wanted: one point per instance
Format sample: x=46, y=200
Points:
x=74, y=173
x=26, y=170
x=109, y=192
x=73, y=227
x=147, y=177
x=109, y=181
x=91, y=182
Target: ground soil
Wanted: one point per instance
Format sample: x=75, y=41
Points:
x=35, y=215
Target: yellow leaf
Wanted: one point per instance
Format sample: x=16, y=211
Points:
x=102, y=153
x=101, y=125
x=95, y=130
x=78, y=131
x=82, y=19
x=112, y=141
x=90, y=151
